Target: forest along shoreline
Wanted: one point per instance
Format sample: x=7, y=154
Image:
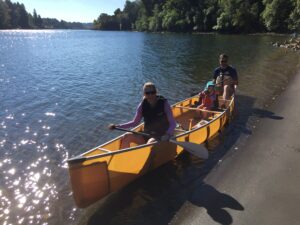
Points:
x=224, y=16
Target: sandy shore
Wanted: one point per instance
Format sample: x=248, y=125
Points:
x=259, y=182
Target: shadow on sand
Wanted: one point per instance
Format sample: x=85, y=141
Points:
x=266, y=114
x=157, y=196
x=214, y=202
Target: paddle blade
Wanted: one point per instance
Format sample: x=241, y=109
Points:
x=195, y=149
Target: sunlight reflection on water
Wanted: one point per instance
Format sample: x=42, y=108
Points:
x=27, y=183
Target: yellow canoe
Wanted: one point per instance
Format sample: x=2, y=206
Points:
x=107, y=168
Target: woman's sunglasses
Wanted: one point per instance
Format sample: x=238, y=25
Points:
x=150, y=92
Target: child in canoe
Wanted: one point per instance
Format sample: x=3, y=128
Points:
x=207, y=100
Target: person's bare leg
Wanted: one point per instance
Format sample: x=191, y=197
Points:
x=226, y=92
x=131, y=138
x=198, y=113
x=205, y=115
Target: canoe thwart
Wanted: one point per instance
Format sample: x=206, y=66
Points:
x=197, y=109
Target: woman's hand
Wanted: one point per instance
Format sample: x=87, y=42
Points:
x=111, y=126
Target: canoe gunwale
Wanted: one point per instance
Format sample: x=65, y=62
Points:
x=82, y=158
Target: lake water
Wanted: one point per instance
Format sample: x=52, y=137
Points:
x=60, y=89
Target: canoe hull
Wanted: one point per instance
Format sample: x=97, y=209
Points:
x=105, y=169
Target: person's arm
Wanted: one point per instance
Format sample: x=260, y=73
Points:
x=235, y=87
x=200, y=98
x=172, y=122
x=136, y=120
x=215, y=75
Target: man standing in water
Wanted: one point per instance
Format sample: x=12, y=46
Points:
x=225, y=78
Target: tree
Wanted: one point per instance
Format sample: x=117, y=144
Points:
x=15, y=15
x=210, y=14
x=239, y=16
x=276, y=14
x=4, y=16
x=34, y=18
x=294, y=18
x=156, y=20
x=118, y=17
x=149, y=5
x=23, y=22
x=107, y=22
x=175, y=17
x=142, y=22
x=131, y=10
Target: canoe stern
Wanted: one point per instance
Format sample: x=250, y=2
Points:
x=88, y=187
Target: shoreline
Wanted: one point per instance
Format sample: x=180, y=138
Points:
x=258, y=181
x=172, y=32
x=293, y=44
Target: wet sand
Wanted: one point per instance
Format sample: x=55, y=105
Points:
x=258, y=182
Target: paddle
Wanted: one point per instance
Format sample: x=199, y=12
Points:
x=195, y=149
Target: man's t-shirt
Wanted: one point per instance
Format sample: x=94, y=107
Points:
x=228, y=71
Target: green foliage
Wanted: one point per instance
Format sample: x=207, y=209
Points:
x=142, y=22
x=170, y=19
x=107, y=22
x=4, y=15
x=121, y=20
x=175, y=16
x=149, y=5
x=155, y=20
x=36, y=20
x=206, y=15
x=276, y=14
x=239, y=16
x=210, y=14
x=294, y=18
x=23, y=19
x=131, y=9
x=233, y=16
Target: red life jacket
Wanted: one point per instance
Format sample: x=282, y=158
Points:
x=207, y=100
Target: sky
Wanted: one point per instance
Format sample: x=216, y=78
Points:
x=72, y=10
